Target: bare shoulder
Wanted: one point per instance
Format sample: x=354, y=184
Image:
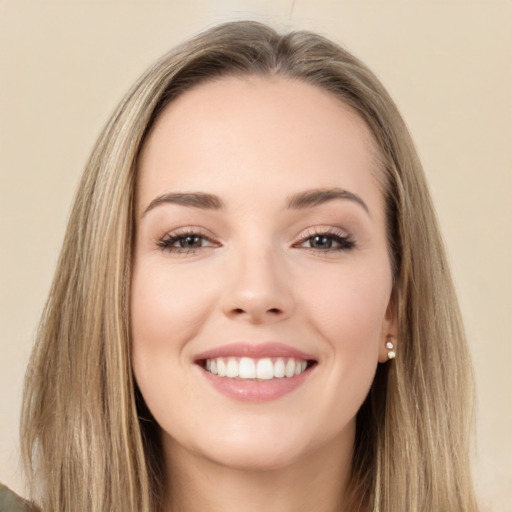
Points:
x=11, y=502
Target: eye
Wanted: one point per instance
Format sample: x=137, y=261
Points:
x=185, y=242
x=326, y=241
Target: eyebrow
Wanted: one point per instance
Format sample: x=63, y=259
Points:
x=316, y=197
x=299, y=201
x=199, y=200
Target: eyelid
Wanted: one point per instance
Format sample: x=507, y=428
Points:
x=165, y=242
x=323, y=230
x=345, y=240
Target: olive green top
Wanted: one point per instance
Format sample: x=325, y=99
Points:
x=10, y=502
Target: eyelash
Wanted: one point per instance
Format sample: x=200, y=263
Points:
x=166, y=243
x=345, y=242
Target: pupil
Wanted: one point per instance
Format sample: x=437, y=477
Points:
x=191, y=241
x=322, y=241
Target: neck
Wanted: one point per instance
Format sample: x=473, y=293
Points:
x=317, y=482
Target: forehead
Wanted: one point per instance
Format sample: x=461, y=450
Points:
x=273, y=130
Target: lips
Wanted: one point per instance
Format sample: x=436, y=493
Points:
x=260, y=372
x=255, y=351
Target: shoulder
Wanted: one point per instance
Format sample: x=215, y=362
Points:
x=10, y=502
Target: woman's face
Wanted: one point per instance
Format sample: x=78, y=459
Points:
x=261, y=279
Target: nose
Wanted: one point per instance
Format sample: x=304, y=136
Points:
x=257, y=289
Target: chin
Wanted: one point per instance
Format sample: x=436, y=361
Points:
x=252, y=457
x=264, y=446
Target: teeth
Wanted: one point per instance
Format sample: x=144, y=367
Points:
x=265, y=369
x=221, y=367
x=289, y=370
x=232, y=368
x=279, y=369
x=247, y=368
x=262, y=369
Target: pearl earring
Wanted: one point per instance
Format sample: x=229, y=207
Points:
x=391, y=349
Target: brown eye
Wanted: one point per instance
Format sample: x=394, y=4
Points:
x=190, y=241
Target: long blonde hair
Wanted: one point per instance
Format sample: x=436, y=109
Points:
x=88, y=441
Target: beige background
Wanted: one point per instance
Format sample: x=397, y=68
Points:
x=64, y=65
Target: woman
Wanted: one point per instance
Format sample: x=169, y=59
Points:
x=252, y=308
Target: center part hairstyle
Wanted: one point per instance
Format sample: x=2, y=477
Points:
x=88, y=441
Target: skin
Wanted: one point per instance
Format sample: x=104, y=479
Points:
x=258, y=275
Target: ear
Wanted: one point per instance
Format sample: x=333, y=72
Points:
x=389, y=330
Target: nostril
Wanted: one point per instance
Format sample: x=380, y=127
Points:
x=257, y=312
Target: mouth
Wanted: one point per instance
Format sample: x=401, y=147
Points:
x=252, y=369
x=255, y=373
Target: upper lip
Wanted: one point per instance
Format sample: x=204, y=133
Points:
x=255, y=351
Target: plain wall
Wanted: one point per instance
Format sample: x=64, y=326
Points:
x=64, y=65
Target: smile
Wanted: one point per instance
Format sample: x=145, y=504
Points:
x=261, y=369
x=255, y=372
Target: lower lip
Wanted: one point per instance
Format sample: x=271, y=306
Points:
x=254, y=390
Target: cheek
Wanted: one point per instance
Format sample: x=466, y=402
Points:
x=349, y=313
x=166, y=311
x=165, y=302
x=349, y=305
